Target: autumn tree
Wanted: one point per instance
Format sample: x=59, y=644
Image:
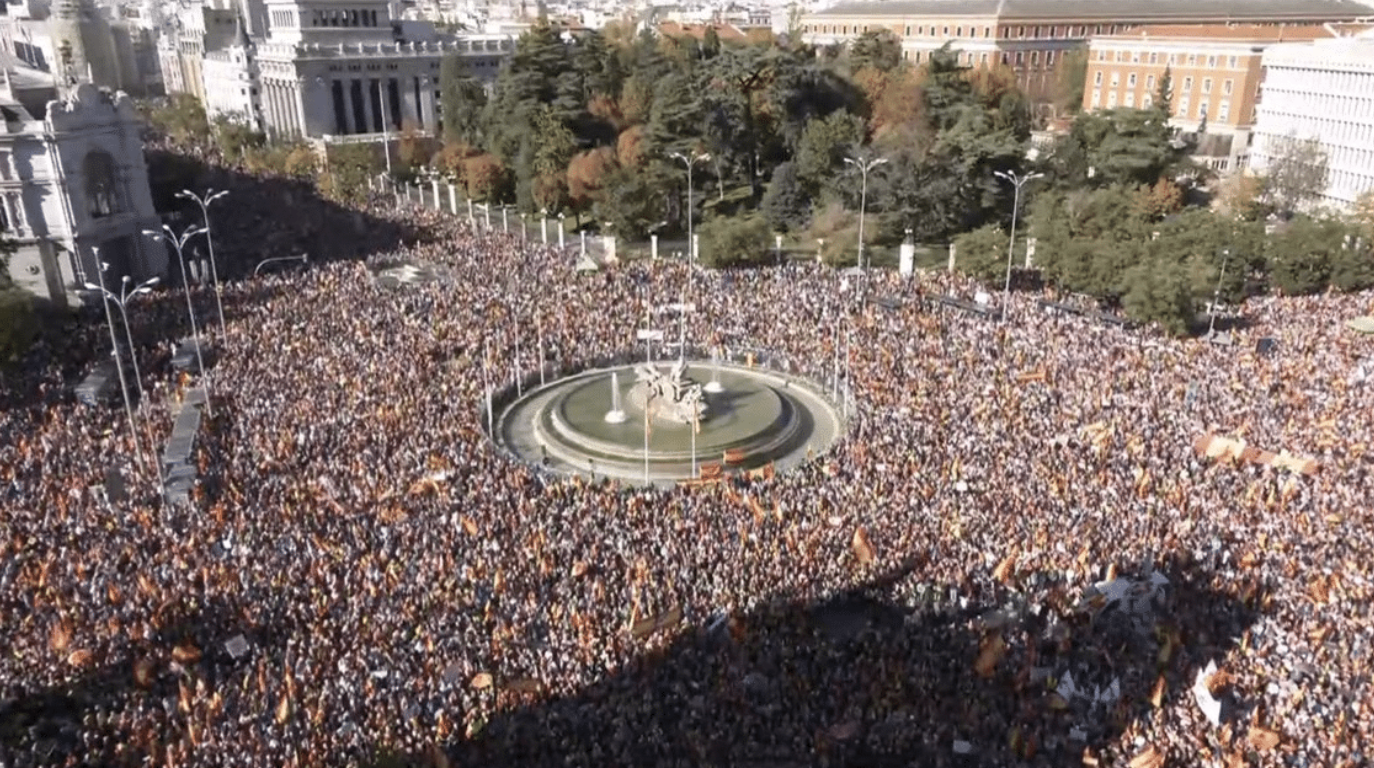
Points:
x=1070, y=81
x=484, y=177
x=586, y=173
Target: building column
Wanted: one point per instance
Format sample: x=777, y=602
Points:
x=409, y=113
x=431, y=113
x=346, y=86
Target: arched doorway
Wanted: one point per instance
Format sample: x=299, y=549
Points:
x=102, y=189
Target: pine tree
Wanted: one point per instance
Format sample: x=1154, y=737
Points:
x=1164, y=95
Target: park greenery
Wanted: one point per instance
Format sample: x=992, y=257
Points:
x=597, y=127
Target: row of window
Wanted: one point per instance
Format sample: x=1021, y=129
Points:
x=969, y=59
x=1172, y=59
x=1305, y=79
x=1227, y=85
x=343, y=18
x=1183, y=105
x=1068, y=32
x=1331, y=106
x=1333, y=132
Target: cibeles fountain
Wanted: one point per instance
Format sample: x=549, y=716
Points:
x=657, y=422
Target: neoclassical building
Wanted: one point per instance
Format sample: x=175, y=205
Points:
x=75, y=189
x=1032, y=36
x=325, y=68
x=1323, y=90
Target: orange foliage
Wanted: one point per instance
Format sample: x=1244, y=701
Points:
x=450, y=159
x=629, y=148
x=482, y=175
x=604, y=107
x=585, y=172
x=636, y=98
x=895, y=99
x=549, y=190
x=1162, y=199
x=992, y=83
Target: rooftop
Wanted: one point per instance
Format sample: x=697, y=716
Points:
x=698, y=31
x=1119, y=11
x=1259, y=33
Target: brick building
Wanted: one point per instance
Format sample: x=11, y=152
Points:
x=1032, y=36
x=1215, y=71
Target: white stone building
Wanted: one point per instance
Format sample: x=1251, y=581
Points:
x=1325, y=91
x=323, y=68
x=232, y=80
x=74, y=187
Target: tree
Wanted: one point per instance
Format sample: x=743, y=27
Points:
x=235, y=139
x=1070, y=81
x=182, y=119
x=823, y=146
x=413, y=149
x=586, y=173
x=1164, y=94
x=785, y=205
x=1160, y=293
x=1302, y=255
x=1125, y=146
x=631, y=202
x=484, y=177
x=948, y=91
x=1296, y=173
x=895, y=103
x=982, y=254
x=735, y=242
x=1154, y=202
x=877, y=49
x=463, y=99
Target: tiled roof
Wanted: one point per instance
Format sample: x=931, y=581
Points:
x=723, y=31
x=1238, y=32
x=1109, y=10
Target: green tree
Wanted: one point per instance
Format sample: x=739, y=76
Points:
x=1160, y=292
x=463, y=99
x=735, y=242
x=1070, y=81
x=1164, y=94
x=236, y=139
x=1303, y=254
x=1125, y=146
x=982, y=254
x=786, y=204
x=824, y=145
x=631, y=201
x=876, y=49
x=948, y=91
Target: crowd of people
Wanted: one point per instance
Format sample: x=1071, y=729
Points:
x=363, y=578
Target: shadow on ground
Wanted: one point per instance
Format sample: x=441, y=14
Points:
x=868, y=678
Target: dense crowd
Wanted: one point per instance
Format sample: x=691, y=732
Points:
x=363, y=577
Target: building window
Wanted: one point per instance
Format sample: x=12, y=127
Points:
x=1183, y=104
x=1206, y=85
x=1097, y=98
x=1188, y=84
x=1202, y=110
x=1101, y=55
x=1097, y=78
x=1006, y=57
x=1147, y=101
x=983, y=58
x=946, y=32
x=1111, y=99
x=1020, y=58
x=1035, y=58
x=1020, y=31
x=1226, y=87
x=1135, y=57
x=987, y=31
x=1098, y=30
x=1149, y=82
x=1154, y=57
x=908, y=31
x=1192, y=59
x=1037, y=31
x=1049, y=58
x=1130, y=80
x=1130, y=99
x=1116, y=79
x=1211, y=62
x=1223, y=111
x=1232, y=62
x=958, y=31
x=101, y=192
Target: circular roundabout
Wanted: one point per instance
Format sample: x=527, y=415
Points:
x=686, y=422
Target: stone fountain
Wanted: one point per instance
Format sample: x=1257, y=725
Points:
x=617, y=414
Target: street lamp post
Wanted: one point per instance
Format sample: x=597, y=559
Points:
x=204, y=201
x=122, y=301
x=690, y=161
x=178, y=244
x=864, y=167
x=1216, y=295
x=119, y=361
x=561, y=230
x=1016, y=182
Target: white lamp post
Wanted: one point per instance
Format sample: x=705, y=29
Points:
x=119, y=362
x=178, y=244
x=561, y=216
x=122, y=301
x=864, y=167
x=1016, y=182
x=690, y=161
x=204, y=201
